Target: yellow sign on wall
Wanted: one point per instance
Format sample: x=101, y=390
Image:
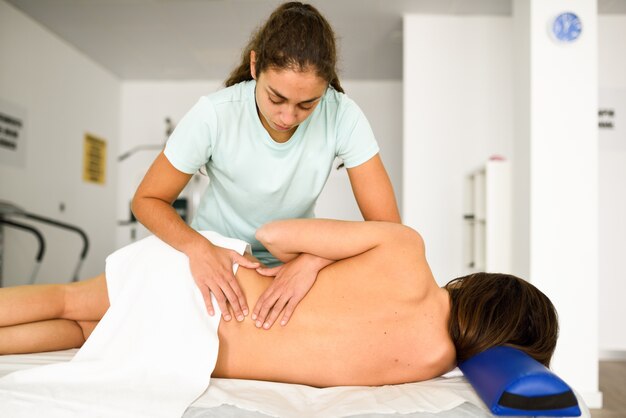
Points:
x=94, y=159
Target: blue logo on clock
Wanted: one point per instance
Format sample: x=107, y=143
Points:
x=567, y=27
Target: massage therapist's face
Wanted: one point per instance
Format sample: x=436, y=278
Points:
x=285, y=98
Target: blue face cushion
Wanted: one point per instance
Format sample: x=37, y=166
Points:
x=510, y=382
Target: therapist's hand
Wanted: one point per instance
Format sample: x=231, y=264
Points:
x=292, y=281
x=212, y=270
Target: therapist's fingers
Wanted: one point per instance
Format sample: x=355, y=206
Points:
x=221, y=300
x=263, y=306
x=206, y=295
x=291, y=306
x=235, y=298
x=268, y=298
x=284, y=304
x=274, y=312
x=221, y=281
x=267, y=271
x=242, y=303
x=243, y=261
x=212, y=270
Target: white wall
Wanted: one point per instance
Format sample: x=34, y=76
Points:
x=461, y=105
x=457, y=113
x=64, y=95
x=145, y=105
x=521, y=145
x=612, y=192
x=564, y=186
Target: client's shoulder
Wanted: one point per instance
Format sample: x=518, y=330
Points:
x=402, y=235
x=404, y=247
x=400, y=261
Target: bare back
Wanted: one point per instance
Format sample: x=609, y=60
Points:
x=373, y=319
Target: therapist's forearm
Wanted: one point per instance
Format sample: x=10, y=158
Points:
x=380, y=206
x=384, y=208
x=162, y=220
x=376, y=199
x=373, y=191
x=152, y=205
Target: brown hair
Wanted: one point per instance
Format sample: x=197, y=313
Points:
x=296, y=36
x=489, y=310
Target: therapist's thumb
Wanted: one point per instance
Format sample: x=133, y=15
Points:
x=244, y=262
x=266, y=271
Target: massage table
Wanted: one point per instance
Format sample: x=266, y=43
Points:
x=450, y=396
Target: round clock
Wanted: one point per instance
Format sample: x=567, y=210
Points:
x=566, y=27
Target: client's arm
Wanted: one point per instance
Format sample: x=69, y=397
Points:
x=330, y=239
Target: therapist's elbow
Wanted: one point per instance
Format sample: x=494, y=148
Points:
x=135, y=206
x=139, y=205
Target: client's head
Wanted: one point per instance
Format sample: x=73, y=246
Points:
x=489, y=310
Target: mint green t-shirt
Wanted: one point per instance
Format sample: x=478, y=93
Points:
x=253, y=179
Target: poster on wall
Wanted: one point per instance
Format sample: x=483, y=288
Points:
x=94, y=159
x=611, y=219
x=12, y=134
x=612, y=120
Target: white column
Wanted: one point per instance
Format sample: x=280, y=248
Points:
x=557, y=140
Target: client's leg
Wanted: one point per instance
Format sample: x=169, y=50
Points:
x=50, y=317
x=35, y=337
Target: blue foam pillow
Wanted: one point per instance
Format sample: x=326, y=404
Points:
x=510, y=382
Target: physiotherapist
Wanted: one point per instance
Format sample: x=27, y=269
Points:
x=267, y=141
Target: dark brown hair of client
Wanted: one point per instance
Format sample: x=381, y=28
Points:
x=489, y=309
x=297, y=37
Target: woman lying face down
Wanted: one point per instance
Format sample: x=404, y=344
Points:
x=374, y=316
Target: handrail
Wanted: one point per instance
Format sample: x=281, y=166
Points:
x=40, y=239
x=9, y=209
x=63, y=225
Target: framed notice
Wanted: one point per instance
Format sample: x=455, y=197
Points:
x=12, y=134
x=612, y=125
x=94, y=159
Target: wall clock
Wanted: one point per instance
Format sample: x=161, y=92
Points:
x=566, y=27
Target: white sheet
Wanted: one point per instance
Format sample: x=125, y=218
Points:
x=290, y=400
x=281, y=399
x=151, y=355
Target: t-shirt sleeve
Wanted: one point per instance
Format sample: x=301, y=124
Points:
x=356, y=143
x=190, y=146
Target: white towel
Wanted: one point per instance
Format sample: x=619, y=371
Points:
x=151, y=355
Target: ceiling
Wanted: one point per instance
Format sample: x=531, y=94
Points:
x=202, y=39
